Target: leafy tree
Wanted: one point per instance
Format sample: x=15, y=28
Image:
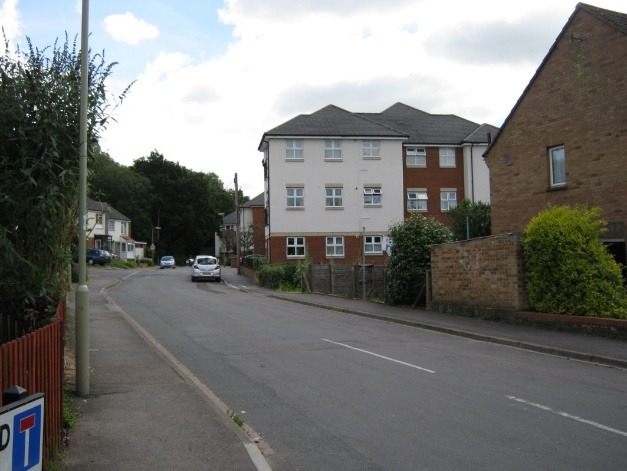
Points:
x=39, y=172
x=470, y=220
x=411, y=257
x=567, y=268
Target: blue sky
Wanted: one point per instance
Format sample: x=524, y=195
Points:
x=212, y=76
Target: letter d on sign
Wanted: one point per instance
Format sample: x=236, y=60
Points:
x=5, y=436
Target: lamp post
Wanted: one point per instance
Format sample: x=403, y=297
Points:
x=152, y=243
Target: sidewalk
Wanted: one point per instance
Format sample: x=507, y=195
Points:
x=142, y=415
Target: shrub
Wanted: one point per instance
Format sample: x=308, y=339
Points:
x=470, y=220
x=568, y=269
x=411, y=257
x=279, y=276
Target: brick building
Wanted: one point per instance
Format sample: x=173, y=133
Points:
x=565, y=140
x=335, y=181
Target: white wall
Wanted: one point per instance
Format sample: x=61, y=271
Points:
x=477, y=174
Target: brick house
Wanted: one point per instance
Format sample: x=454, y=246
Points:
x=336, y=181
x=564, y=142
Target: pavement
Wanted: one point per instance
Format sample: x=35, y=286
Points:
x=123, y=425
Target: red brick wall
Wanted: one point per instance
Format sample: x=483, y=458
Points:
x=485, y=273
x=434, y=178
x=259, y=234
x=315, y=247
x=578, y=100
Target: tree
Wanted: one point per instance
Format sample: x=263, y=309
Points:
x=39, y=171
x=411, y=257
x=470, y=220
x=567, y=268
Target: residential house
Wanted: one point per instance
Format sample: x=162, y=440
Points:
x=336, y=181
x=565, y=140
x=251, y=226
x=110, y=230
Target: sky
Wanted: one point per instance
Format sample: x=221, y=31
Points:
x=210, y=77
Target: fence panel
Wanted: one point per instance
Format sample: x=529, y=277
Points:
x=347, y=280
x=35, y=363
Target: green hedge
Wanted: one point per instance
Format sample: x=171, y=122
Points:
x=567, y=268
x=279, y=276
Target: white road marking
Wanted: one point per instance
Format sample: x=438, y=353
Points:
x=569, y=416
x=258, y=459
x=379, y=356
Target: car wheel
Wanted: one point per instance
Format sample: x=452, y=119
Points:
x=193, y=279
x=90, y=261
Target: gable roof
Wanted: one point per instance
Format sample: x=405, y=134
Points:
x=257, y=201
x=612, y=18
x=102, y=206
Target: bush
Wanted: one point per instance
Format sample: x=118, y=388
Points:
x=411, y=257
x=568, y=269
x=470, y=220
x=280, y=276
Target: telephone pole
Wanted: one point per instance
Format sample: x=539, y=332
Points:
x=237, y=226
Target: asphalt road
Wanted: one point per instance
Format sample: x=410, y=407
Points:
x=332, y=391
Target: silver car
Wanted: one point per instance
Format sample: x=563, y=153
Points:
x=167, y=262
x=206, y=267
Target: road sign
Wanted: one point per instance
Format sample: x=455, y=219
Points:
x=22, y=434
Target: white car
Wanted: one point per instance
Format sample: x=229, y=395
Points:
x=206, y=267
x=167, y=262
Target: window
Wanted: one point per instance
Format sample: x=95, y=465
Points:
x=332, y=149
x=417, y=200
x=372, y=196
x=124, y=228
x=448, y=200
x=334, y=197
x=295, y=197
x=558, y=166
x=335, y=246
x=98, y=219
x=111, y=224
x=447, y=157
x=371, y=149
x=295, y=246
x=372, y=245
x=293, y=148
x=416, y=157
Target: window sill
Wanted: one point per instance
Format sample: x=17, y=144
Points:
x=558, y=187
x=333, y=160
x=373, y=205
x=371, y=158
x=333, y=208
x=294, y=160
x=295, y=208
x=416, y=166
x=373, y=254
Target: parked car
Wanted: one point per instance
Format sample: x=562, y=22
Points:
x=167, y=261
x=101, y=257
x=206, y=267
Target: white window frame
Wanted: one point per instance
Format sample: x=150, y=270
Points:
x=124, y=229
x=372, y=196
x=99, y=219
x=332, y=149
x=333, y=197
x=447, y=157
x=557, y=164
x=373, y=245
x=448, y=199
x=415, y=199
x=294, y=149
x=371, y=149
x=295, y=245
x=416, y=156
x=295, y=196
x=111, y=225
x=334, y=246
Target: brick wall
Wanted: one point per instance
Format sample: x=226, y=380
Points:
x=481, y=275
x=577, y=100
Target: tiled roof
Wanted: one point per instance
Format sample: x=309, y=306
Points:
x=614, y=18
x=100, y=206
x=255, y=202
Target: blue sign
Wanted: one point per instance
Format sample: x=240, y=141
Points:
x=21, y=434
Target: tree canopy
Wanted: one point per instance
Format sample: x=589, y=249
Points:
x=470, y=220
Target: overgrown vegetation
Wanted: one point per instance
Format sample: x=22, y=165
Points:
x=411, y=257
x=567, y=268
x=39, y=148
x=470, y=220
x=284, y=276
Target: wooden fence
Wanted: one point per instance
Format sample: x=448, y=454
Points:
x=35, y=363
x=351, y=281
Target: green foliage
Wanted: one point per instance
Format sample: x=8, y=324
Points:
x=411, y=256
x=39, y=172
x=568, y=269
x=123, y=264
x=470, y=219
x=285, y=276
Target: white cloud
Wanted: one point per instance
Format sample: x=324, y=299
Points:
x=10, y=19
x=129, y=29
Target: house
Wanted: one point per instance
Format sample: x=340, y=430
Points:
x=110, y=230
x=335, y=181
x=251, y=226
x=565, y=140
